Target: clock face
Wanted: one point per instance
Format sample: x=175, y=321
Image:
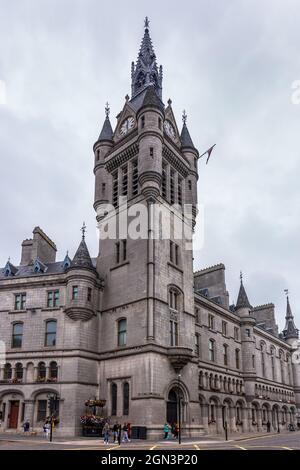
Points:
x=169, y=128
x=127, y=125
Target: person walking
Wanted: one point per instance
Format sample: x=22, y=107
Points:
x=115, y=431
x=125, y=433
x=129, y=431
x=26, y=426
x=176, y=430
x=166, y=430
x=119, y=434
x=106, y=432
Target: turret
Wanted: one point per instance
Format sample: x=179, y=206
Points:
x=191, y=154
x=81, y=284
x=101, y=148
x=150, y=118
x=243, y=309
x=290, y=333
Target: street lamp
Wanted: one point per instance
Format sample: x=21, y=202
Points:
x=53, y=401
x=278, y=427
x=179, y=411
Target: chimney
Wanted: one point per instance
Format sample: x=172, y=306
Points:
x=40, y=247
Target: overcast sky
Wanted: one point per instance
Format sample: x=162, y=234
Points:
x=230, y=64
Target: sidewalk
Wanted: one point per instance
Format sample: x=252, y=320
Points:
x=208, y=439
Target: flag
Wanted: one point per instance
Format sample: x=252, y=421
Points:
x=208, y=152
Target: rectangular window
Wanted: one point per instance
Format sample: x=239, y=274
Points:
x=253, y=361
x=236, y=333
x=143, y=122
x=118, y=252
x=53, y=298
x=176, y=254
x=115, y=188
x=151, y=151
x=50, y=334
x=135, y=177
x=172, y=186
x=190, y=185
x=173, y=333
x=42, y=410
x=124, y=180
x=20, y=301
x=164, y=180
x=124, y=249
x=211, y=346
x=224, y=328
x=211, y=322
x=103, y=188
x=171, y=251
x=179, y=191
x=197, y=316
x=89, y=294
x=248, y=332
x=198, y=345
x=75, y=293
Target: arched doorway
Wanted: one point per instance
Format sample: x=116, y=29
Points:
x=175, y=396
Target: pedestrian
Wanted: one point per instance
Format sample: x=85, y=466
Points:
x=129, y=431
x=46, y=429
x=115, y=431
x=125, y=433
x=268, y=426
x=166, y=430
x=106, y=432
x=176, y=430
x=26, y=426
x=119, y=434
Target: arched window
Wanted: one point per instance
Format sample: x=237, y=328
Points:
x=19, y=371
x=225, y=354
x=41, y=371
x=122, y=332
x=211, y=350
x=50, y=335
x=174, y=299
x=17, y=335
x=237, y=358
x=272, y=351
x=263, y=366
x=126, y=399
x=114, y=394
x=53, y=370
x=7, y=371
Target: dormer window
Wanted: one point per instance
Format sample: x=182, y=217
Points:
x=39, y=267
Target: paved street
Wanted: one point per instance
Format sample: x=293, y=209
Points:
x=284, y=441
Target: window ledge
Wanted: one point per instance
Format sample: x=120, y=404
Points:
x=173, y=265
x=17, y=311
x=49, y=309
x=119, y=265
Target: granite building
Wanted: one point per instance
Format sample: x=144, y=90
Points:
x=135, y=327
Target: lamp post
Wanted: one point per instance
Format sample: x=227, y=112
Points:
x=53, y=401
x=179, y=411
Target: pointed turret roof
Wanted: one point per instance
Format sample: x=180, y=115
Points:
x=151, y=98
x=107, y=132
x=82, y=257
x=290, y=330
x=145, y=71
x=242, y=301
x=186, y=140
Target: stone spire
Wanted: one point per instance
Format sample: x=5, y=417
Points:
x=242, y=301
x=145, y=72
x=186, y=140
x=290, y=330
x=82, y=257
x=107, y=132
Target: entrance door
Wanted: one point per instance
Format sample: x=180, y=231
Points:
x=14, y=414
x=172, y=407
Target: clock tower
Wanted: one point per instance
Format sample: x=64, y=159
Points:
x=146, y=189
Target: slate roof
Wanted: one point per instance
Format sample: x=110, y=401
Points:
x=186, y=140
x=82, y=257
x=242, y=301
x=106, y=132
x=27, y=271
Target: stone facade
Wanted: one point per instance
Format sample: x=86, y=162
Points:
x=134, y=326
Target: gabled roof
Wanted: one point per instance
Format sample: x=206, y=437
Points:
x=10, y=269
